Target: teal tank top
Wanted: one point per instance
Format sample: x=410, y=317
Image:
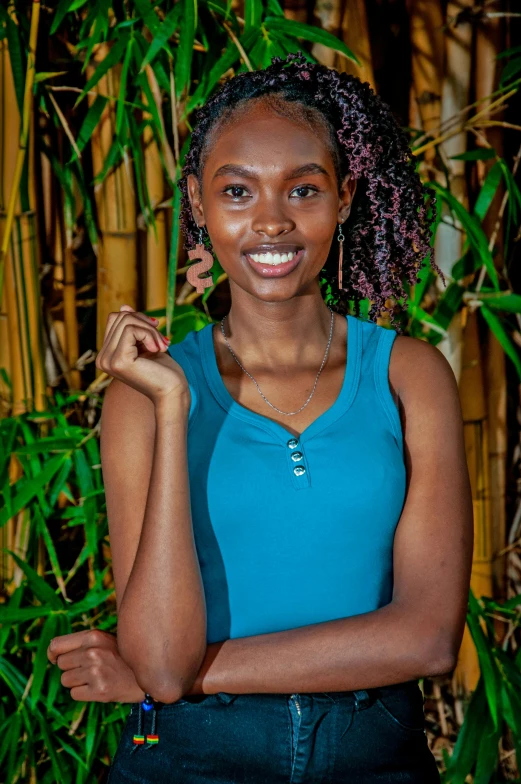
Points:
x=290, y=531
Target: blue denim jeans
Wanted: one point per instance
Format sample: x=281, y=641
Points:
x=360, y=737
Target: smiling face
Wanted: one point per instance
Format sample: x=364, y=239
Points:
x=269, y=184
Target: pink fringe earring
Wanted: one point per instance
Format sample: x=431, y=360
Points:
x=340, y=238
x=206, y=263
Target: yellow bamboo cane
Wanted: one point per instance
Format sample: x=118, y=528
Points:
x=24, y=135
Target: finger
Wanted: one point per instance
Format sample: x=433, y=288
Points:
x=76, y=677
x=129, y=331
x=128, y=338
x=65, y=643
x=115, y=320
x=73, y=659
x=85, y=694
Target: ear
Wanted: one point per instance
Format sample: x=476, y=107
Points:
x=194, y=194
x=346, y=195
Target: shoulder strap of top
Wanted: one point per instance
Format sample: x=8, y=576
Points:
x=381, y=376
x=181, y=356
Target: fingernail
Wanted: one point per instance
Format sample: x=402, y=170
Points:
x=167, y=340
x=153, y=318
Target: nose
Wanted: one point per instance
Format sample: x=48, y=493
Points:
x=272, y=220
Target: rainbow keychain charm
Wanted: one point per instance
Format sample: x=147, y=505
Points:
x=152, y=739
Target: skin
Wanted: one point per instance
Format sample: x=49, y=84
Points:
x=279, y=329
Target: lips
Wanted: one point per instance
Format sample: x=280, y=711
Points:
x=274, y=270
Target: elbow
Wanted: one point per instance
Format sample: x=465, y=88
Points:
x=438, y=657
x=164, y=684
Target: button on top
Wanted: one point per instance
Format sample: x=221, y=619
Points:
x=292, y=443
x=299, y=470
x=296, y=456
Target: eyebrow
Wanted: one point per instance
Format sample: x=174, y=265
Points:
x=243, y=171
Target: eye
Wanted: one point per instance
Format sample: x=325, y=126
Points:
x=306, y=188
x=235, y=188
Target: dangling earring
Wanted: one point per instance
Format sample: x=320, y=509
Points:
x=340, y=238
x=206, y=263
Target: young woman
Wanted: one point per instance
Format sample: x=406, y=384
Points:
x=288, y=498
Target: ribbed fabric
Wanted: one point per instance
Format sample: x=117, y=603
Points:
x=279, y=550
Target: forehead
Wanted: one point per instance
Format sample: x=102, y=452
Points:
x=262, y=139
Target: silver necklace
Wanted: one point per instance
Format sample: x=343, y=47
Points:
x=286, y=413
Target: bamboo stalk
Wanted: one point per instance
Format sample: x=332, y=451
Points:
x=26, y=122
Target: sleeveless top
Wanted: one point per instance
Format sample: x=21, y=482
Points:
x=290, y=531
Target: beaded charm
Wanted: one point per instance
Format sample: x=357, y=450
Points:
x=152, y=739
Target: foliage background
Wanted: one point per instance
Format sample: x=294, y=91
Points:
x=96, y=99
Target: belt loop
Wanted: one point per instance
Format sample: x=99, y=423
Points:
x=225, y=697
x=362, y=699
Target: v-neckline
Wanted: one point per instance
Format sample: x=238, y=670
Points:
x=330, y=415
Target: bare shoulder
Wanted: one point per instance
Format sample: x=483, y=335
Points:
x=418, y=369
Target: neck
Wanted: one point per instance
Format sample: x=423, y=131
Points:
x=278, y=334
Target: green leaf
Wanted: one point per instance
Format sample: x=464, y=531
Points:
x=183, y=61
x=481, y=154
x=309, y=33
x=89, y=124
x=487, y=664
x=163, y=35
x=475, y=233
x=499, y=331
x=467, y=744
x=506, y=301
x=488, y=191
x=123, y=87
x=40, y=588
x=253, y=10
x=113, y=57
x=30, y=488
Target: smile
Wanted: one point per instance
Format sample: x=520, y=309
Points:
x=274, y=265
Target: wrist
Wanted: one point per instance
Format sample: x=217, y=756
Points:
x=175, y=405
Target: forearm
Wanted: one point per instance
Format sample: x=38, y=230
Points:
x=162, y=616
x=378, y=648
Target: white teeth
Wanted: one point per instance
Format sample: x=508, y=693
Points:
x=272, y=258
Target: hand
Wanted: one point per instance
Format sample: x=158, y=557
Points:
x=92, y=668
x=132, y=351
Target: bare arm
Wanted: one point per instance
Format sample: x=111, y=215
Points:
x=419, y=633
x=160, y=598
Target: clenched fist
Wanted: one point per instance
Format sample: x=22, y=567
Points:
x=92, y=668
x=134, y=351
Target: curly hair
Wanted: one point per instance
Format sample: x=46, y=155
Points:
x=388, y=232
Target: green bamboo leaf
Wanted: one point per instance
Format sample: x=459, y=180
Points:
x=43, y=531
x=30, y=488
x=146, y=11
x=15, y=615
x=37, y=584
x=487, y=664
x=183, y=61
x=223, y=64
x=13, y=767
x=253, y=10
x=488, y=191
x=113, y=57
x=506, y=301
x=49, y=743
x=163, y=35
x=510, y=70
x=60, y=14
x=46, y=445
x=123, y=87
x=465, y=750
x=488, y=752
x=481, y=154
x=499, y=331
x=41, y=661
x=309, y=33
x=46, y=75
x=17, y=59
x=93, y=599
x=475, y=233
x=89, y=124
